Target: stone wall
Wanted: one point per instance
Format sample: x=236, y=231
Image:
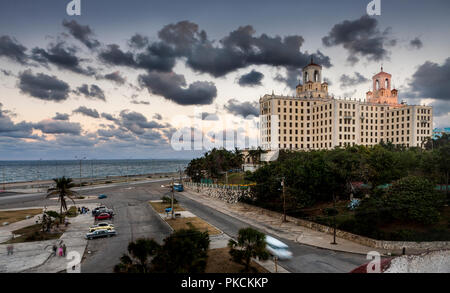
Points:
x=231, y=195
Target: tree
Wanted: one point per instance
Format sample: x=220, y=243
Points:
x=139, y=252
x=250, y=244
x=414, y=199
x=62, y=189
x=185, y=251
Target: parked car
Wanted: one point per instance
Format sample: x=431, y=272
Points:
x=102, y=196
x=277, y=248
x=96, y=209
x=101, y=211
x=100, y=234
x=101, y=226
x=178, y=187
x=103, y=216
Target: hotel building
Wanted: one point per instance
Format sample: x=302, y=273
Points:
x=312, y=119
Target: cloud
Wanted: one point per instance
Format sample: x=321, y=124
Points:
x=347, y=80
x=431, y=81
x=44, y=87
x=361, y=38
x=138, y=41
x=59, y=116
x=136, y=122
x=6, y=72
x=416, y=43
x=82, y=33
x=253, y=78
x=140, y=102
x=92, y=92
x=115, y=56
x=243, y=109
x=58, y=127
x=157, y=116
x=11, y=49
x=109, y=117
x=10, y=129
x=209, y=116
x=87, y=112
x=61, y=56
x=116, y=77
x=171, y=86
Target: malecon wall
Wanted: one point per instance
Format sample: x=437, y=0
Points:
x=231, y=194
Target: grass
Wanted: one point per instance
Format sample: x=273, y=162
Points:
x=19, y=215
x=161, y=206
x=192, y=222
x=219, y=261
x=33, y=233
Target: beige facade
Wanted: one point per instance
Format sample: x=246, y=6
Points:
x=314, y=120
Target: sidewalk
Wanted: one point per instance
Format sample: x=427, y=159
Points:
x=37, y=257
x=275, y=226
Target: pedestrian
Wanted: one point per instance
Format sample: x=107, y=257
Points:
x=64, y=248
x=60, y=251
x=54, y=249
x=10, y=249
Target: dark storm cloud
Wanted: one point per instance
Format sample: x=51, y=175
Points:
x=58, y=127
x=416, y=43
x=11, y=49
x=13, y=130
x=136, y=122
x=109, y=117
x=82, y=33
x=44, y=87
x=347, y=80
x=171, y=86
x=292, y=78
x=253, y=78
x=113, y=55
x=116, y=77
x=138, y=41
x=243, y=109
x=60, y=116
x=361, y=38
x=62, y=56
x=87, y=112
x=239, y=49
x=431, y=81
x=209, y=116
x=92, y=92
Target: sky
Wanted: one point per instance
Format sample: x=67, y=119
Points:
x=119, y=80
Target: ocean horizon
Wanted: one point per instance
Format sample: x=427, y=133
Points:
x=33, y=170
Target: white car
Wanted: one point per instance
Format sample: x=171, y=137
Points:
x=277, y=248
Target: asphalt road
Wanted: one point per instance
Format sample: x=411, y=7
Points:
x=135, y=218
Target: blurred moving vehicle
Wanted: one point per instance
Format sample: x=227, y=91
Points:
x=277, y=248
x=103, y=216
x=102, y=196
x=101, y=226
x=102, y=210
x=100, y=234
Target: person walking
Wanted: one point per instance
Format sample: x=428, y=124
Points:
x=64, y=249
x=10, y=249
x=54, y=249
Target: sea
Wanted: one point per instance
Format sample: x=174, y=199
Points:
x=23, y=171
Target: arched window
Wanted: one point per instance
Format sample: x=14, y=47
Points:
x=386, y=83
x=306, y=77
x=377, y=84
x=316, y=76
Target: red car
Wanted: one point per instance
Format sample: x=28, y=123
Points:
x=103, y=216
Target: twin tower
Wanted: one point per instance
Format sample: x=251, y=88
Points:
x=313, y=87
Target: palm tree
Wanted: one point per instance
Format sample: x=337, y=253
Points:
x=62, y=190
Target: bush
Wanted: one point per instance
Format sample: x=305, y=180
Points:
x=53, y=214
x=168, y=200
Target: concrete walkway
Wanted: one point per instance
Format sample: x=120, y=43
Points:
x=275, y=226
x=38, y=256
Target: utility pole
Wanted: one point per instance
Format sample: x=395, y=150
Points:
x=334, y=220
x=284, y=199
x=173, y=190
